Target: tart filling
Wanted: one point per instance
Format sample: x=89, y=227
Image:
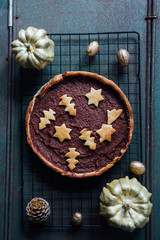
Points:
x=99, y=150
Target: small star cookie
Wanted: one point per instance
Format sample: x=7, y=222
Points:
x=72, y=154
x=89, y=141
x=105, y=132
x=62, y=132
x=94, y=96
x=113, y=115
x=69, y=106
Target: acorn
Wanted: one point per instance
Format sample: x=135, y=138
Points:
x=93, y=48
x=38, y=210
x=137, y=168
x=77, y=219
x=123, y=57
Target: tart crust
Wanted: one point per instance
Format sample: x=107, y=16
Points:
x=42, y=92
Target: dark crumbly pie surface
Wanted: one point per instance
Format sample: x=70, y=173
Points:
x=87, y=116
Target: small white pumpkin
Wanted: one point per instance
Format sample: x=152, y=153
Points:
x=125, y=204
x=33, y=48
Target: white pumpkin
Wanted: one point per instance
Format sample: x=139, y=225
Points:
x=125, y=204
x=33, y=48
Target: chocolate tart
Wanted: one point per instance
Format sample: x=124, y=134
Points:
x=51, y=151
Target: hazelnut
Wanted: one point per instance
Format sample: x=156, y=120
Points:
x=123, y=57
x=93, y=48
x=77, y=219
x=137, y=168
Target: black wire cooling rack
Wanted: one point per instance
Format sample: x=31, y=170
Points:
x=65, y=195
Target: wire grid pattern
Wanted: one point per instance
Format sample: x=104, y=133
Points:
x=67, y=196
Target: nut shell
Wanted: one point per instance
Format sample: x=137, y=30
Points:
x=123, y=57
x=93, y=48
x=77, y=219
x=137, y=168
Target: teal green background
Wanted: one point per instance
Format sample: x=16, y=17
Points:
x=71, y=16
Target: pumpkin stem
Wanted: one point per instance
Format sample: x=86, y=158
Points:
x=126, y=206
x=29, y=47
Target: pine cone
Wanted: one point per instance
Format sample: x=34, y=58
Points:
x=38, y=210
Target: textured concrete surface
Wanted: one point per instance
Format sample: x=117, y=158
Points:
x=3, y=107
x=72, y=17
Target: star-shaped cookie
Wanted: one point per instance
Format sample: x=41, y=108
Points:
x=62, y=132
x=94, y=96
x=105, y=132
